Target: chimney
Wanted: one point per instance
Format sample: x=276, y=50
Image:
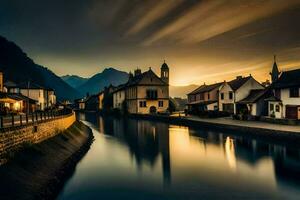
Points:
x=137, y=72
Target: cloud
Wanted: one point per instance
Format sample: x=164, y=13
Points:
x=159, y=10
x=212, y=18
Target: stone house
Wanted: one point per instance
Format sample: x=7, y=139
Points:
x=144, y=92
x=230, y=93
x=204, y=98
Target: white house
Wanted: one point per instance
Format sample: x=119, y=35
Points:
x=286, y=100
x=256, y=102
x=45, y=97
x=230, y=93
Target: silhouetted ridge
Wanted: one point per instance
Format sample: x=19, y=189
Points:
x=19, y=68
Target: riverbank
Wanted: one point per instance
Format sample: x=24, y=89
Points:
x=40, y=170
x=251, y=128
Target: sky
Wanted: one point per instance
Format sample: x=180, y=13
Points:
x=202, y=41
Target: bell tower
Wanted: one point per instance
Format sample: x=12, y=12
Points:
x=164, y=72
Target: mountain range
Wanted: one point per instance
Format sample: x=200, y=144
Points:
x=19, y=68
x=115, y=77
x=74, y=80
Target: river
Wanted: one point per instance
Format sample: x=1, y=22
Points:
x=137, y=159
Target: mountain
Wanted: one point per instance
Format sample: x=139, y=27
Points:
x=74, y=80
x=97, y=82
x=19, y=68
x=181, y=91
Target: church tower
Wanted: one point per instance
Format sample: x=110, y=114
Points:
x=164, y=72
x=275, y=72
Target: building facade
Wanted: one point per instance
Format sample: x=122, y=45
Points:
x=204, y=98
x=144, y=93
x=286, y=100
x=232, y=92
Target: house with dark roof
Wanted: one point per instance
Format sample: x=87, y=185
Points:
x=286, y=100
x=16, y=102
x=144, y=92
x=230, y=93
x=205, y=97
x=256, y=103
x=45, y=97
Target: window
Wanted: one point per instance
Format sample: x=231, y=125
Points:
x=151, y=94
x=271, y=107
x=160, y=103
x=143, y=104
x=208, y=96
x=230, y=95
x=294, y=92
x=201, y=96
x=277, y=108
x=222, y=95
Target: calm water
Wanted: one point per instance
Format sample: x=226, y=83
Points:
x=132, y=159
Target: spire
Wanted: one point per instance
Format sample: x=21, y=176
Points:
x=275, y=72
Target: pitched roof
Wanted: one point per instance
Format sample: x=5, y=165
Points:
x=253, y=96
x=288, y=79
x=25, y=85
x=10, y=84
x=137, y=79
x=206, y=88
x=16, y=96
x=238, y=82
x=272, y=98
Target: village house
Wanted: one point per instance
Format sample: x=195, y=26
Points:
x=256, y=103
x=286, y=89
x=144, y=92
x=204, y=98
x=11, y=101
x=45, y=97
x=119, y=97
x=232, y=92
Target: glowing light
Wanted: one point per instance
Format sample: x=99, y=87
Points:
x=230, y=154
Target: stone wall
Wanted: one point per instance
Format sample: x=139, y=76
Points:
x=14, y=138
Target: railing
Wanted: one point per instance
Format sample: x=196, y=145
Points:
x=8, y=121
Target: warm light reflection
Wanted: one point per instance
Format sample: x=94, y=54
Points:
x=17, y=106
x=230, y=154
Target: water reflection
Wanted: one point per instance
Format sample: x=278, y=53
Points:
x=149, y=160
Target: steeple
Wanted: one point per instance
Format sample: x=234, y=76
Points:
x=275, y=72
x=164, y=72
